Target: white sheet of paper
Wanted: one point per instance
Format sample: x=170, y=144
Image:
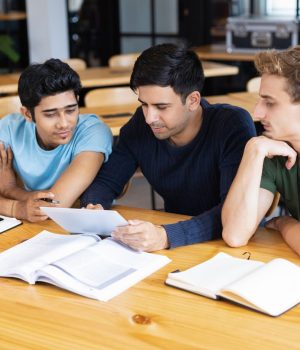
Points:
x=7, y=223
x=101, y=222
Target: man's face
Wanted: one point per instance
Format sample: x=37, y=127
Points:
x=277, y=113
x=56, y=119
x=164, y=111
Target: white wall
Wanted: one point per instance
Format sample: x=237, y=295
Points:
x=47, y=29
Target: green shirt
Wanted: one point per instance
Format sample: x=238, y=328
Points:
x=276, y=177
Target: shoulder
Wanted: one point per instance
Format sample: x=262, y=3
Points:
x=228, y=119
x=15, y=124
x=87, y=122
x=12, y=119
x=227, y=113
x=136, y=126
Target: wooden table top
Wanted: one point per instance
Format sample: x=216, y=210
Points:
x=104, y=76
x=218, y=52
x=244, y=100
x=149, y=315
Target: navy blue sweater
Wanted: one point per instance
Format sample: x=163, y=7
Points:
x=193, y=179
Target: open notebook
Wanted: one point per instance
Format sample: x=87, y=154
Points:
x=271, y=288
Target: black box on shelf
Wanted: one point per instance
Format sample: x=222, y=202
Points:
x=252, y=33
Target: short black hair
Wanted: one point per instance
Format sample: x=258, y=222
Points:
x=46, y=79
x=169, y=65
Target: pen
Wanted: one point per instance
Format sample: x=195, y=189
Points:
x=50, y=200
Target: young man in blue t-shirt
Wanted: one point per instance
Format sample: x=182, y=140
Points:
x=187, y=149
x=53, y=150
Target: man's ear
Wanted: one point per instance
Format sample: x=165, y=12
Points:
x=26, y=114
x=193, y=100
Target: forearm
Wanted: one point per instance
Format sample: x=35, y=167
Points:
x=290, y=231
x=16, y=193
x=76, y=178
x=204, y=227
x=241, y=207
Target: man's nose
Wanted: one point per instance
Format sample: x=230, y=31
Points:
x=259, y=111
x=62, y=122
x=151, y=115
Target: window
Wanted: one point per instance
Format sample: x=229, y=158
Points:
x=281, y=8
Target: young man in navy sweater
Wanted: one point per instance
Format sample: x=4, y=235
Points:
x=187, y=149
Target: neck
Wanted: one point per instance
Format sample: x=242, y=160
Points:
x=190, y=131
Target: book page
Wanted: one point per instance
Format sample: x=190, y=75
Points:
x=106, y=269
x=7, y=223
x=23, y=259
x=210, y=276
x=273, y=289
x=100, y=222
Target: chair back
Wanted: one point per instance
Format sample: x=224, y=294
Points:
x=76, y=63
x=123, y=62
x=253, y=84
x=110, y=97
x=9, y=104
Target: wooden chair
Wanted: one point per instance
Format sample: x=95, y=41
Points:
x=122, y=62
x=110, y=97
x=253, y=84
x=9, y=104
x=76, y=63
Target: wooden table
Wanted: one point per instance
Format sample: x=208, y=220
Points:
x=246, y=100
x=149, y=315
x=218, y=52
x=104, y=76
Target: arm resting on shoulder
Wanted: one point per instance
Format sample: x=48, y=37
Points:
x=77, y=177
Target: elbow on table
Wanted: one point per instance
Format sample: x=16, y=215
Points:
x=234, y=240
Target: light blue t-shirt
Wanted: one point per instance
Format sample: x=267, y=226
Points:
x=39, y=169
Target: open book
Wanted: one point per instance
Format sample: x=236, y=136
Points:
x=271, y=288
x=100, y=222
x=7, y=223
x=83, y=264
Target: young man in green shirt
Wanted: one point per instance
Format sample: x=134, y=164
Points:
x=270, y=162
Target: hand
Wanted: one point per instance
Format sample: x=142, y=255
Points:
x=94, y=206
x=29, y=209
x=279, y=223
x=271, y=148
x=142, y=236
x=7, y=174
x=272, y=223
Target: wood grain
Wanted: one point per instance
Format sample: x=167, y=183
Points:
x=149, y=315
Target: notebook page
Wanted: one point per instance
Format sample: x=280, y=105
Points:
x=274, y=288
x=214, y=273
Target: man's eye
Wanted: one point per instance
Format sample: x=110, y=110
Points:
x=161, y=107
x=49, y=115
x=70, y=111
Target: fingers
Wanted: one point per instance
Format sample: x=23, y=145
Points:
x=291, y=161
x=139, y=235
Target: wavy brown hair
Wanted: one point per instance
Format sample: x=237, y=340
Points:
x=285, y=64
